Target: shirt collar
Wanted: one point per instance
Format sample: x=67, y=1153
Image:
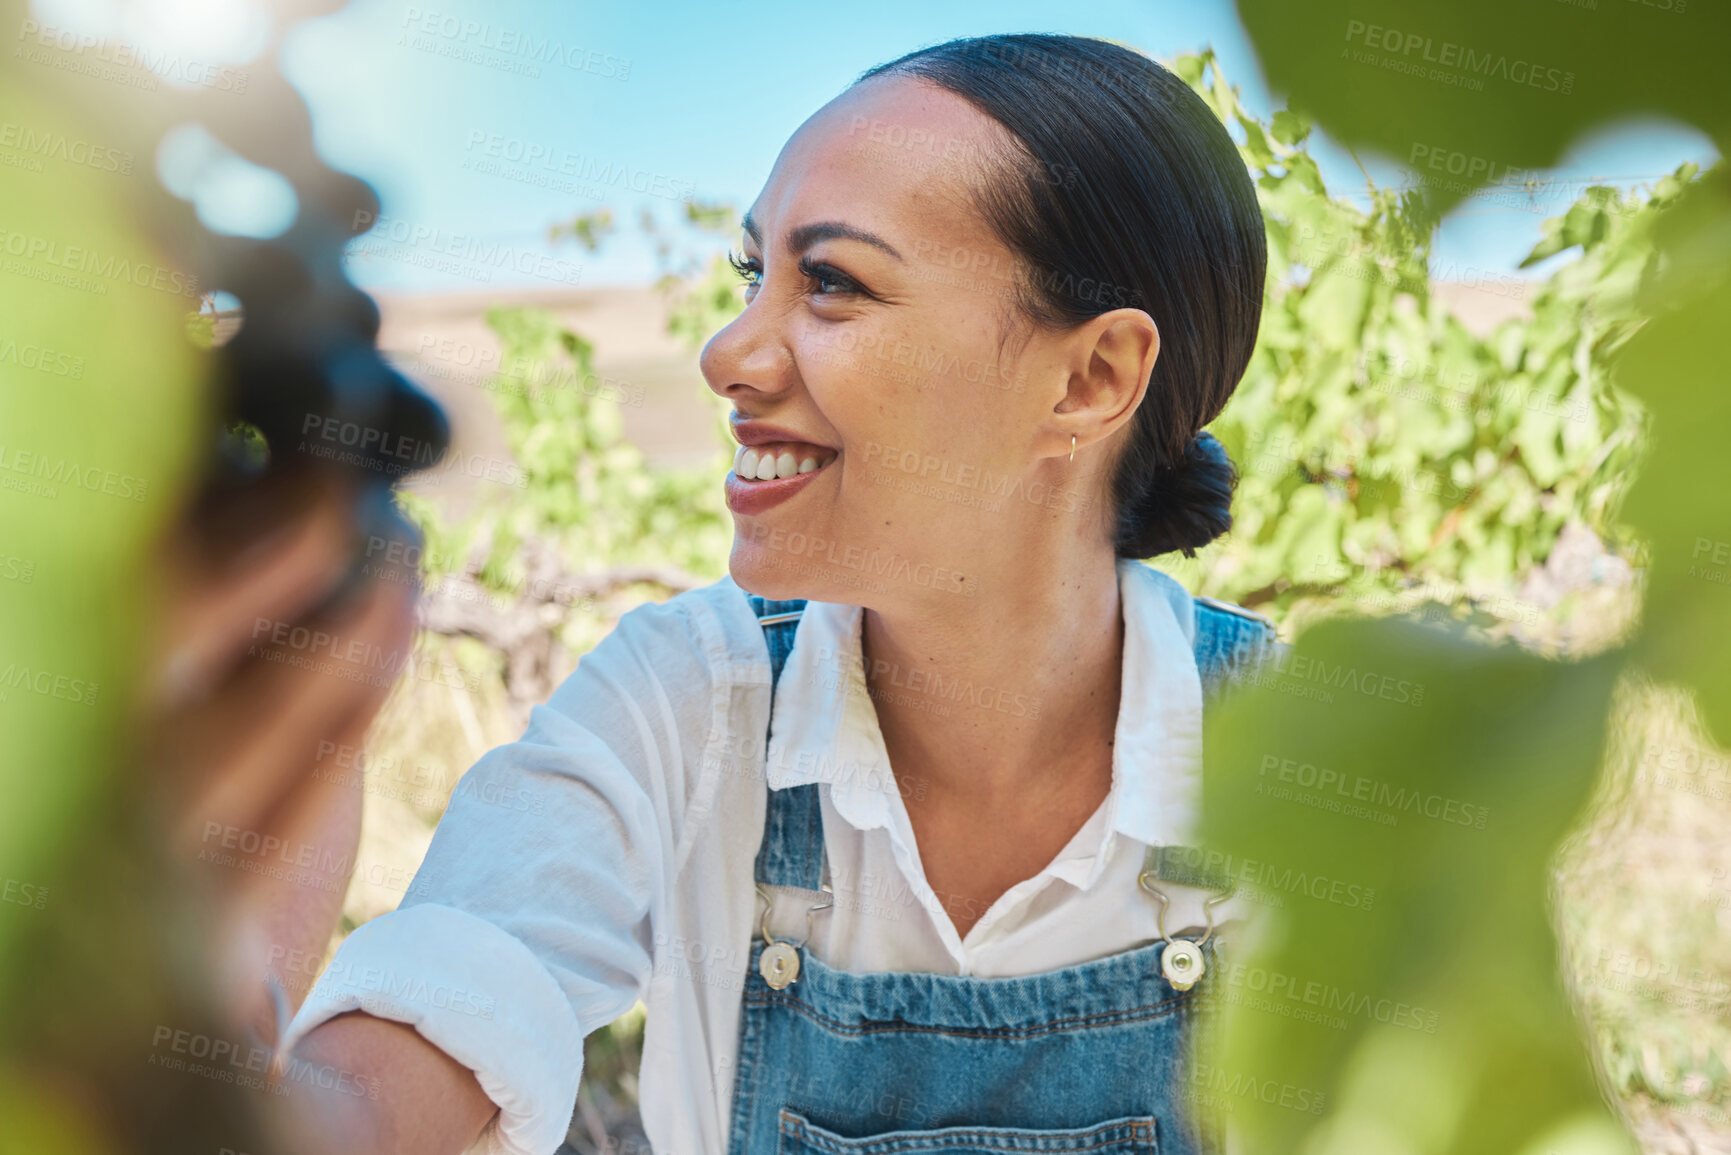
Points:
x=825, y=728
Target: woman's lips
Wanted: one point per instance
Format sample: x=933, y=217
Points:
x=752, y=497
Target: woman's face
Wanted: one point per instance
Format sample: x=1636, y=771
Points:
x=897, y=409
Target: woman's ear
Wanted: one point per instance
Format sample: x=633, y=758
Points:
x=1114, y=356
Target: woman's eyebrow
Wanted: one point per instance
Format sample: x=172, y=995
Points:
x=806, y=236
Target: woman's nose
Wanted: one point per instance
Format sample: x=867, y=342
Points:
x=749, y=354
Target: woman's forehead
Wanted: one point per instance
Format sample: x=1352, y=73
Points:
x=897, y=150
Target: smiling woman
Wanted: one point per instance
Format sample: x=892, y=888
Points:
x=880, y=842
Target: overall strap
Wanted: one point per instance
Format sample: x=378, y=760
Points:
x=1230, y=643
x=791, y=853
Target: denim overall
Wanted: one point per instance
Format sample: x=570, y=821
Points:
x=1094, y=1057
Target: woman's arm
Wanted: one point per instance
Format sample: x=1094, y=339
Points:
x=427, y=1103
x=530, y=922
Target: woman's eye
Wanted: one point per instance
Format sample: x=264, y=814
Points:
x=828, y=280
x=749, y=269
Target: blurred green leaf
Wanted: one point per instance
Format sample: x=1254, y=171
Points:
x=1390, y=794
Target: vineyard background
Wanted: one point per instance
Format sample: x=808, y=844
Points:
x=1403, y=445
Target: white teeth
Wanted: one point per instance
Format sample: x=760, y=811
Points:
x=771, y=465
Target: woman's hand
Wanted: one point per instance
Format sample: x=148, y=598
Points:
x=264, y=687
x=261, y=679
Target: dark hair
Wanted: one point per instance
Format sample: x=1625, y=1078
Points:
x=1128, y=191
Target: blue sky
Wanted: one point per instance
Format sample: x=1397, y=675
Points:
x=434, y=104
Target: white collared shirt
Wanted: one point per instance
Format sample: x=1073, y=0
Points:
x=608, y=856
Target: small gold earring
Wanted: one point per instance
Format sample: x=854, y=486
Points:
x=1072, y=447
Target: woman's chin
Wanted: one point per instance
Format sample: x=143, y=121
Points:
x=756, y=571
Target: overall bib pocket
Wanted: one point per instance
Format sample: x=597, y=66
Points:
x=1133, y=1134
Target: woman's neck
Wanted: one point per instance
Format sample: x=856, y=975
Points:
x=1008, y=701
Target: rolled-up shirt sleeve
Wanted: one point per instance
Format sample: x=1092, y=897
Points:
x=529, y=922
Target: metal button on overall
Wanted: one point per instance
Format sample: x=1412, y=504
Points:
x=779, y=965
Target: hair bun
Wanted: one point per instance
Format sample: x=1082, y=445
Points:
x=1183, y=506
